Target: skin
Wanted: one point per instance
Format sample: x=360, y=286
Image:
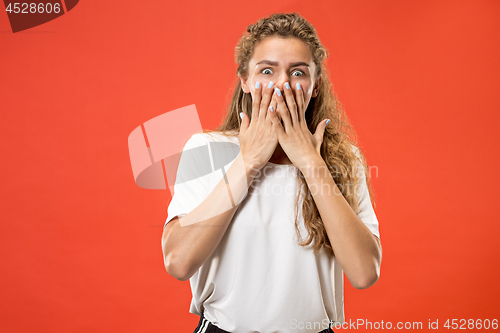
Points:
x=265, y=138
x=284, y=52
x=283, y=137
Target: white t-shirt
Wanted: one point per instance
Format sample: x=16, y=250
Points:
x=259, y=279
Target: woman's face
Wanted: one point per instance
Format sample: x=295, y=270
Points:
x=282, y=60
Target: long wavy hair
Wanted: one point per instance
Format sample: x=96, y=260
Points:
x=339, y=150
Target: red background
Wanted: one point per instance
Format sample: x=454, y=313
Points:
x=81, y=243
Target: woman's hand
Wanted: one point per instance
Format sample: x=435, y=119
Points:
x=295, y=138
x=258, y=137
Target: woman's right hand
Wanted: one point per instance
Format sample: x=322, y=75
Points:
x=258, y=138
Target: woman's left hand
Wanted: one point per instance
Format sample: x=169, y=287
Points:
x=299, y=144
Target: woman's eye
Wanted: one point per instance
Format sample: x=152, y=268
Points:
x=270, y=72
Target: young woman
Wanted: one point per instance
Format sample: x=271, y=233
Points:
x=264, y=240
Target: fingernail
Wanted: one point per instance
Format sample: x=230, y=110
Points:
x=241, y=115
x=257, y=85
x=270, y=84
x=328, y=121
x=298, y=85
x=287, y=86
x=272, y=109
x=277, y=91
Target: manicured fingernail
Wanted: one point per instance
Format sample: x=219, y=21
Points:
x=298, y=85
x=277, y=91
x=270, y=84
x=272, y=109
x=257, y=85
x=241, y=115
x=287, y=86
x=328, y=121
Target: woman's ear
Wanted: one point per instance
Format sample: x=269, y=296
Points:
x=316, y=87
x=244, y=85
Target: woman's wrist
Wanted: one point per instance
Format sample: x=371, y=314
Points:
x=251, y=167
x=315, y=167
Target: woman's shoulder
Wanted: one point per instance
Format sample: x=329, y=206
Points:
x=217, y=136
x=224, y=147
x=355, y=149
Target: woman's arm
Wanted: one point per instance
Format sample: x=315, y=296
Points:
x=356, y=249
x=189, y=241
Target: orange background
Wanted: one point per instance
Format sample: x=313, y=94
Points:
x=81, y=243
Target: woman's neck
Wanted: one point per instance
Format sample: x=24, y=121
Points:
x=279, y=156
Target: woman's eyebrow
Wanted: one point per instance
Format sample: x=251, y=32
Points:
x=275, y=63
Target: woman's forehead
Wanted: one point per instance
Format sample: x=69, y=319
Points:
x=282, y=51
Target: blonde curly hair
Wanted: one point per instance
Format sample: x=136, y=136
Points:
x=339, y=149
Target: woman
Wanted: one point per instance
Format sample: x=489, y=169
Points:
x=265, y=239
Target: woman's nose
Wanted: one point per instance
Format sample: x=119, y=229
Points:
x=280, y=84
x=280, y=81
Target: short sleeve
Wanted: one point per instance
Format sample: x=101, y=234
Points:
x=366, y=212
x=192, y=184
